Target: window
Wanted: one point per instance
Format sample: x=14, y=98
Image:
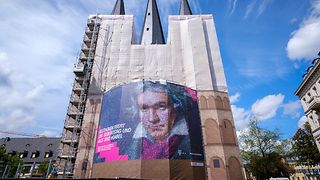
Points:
x=216, y=163
x=35, y=154
x=48, y=154
x=225, y=124
x=13, y=153
x=23, y=154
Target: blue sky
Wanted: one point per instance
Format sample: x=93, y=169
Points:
x=266, y=46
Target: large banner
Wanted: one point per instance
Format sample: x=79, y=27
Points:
x=149, y=120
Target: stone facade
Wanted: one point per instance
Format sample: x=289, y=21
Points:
x=220, y=142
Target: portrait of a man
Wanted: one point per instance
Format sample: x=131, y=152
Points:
x=163, y=131
x=149, y=120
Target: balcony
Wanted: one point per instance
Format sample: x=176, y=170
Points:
x=314, y=103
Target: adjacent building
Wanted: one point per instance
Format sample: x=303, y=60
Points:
x=300, y=172
x=150, y=108
x=309, y=94
x=32, y=151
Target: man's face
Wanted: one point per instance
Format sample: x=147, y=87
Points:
x=156, y=113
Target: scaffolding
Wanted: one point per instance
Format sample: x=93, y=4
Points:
x=75, y=113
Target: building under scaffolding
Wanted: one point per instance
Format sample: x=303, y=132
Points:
x=124, y=89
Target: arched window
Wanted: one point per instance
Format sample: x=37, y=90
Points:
x=226, y=103
x=212, y=132
x=218, y=102
x=203, y=103
x=218, y=169
x=234, y=169
x=211, y=103
x=227, y=133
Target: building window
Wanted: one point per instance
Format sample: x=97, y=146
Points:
x=13, y=153
x=35, y=154
x=24, y=154
x=225, y=124
x=216, y=163
x=315, y=91
x=48, y=154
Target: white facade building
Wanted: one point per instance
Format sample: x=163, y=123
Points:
x=309, y=94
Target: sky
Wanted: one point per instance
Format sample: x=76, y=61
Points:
x=266, y=47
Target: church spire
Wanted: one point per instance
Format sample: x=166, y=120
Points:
x=185, y=8
x=152, y=29
x=118, y=8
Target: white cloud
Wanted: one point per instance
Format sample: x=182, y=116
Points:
x=259, y=6
x=292, y=109
x=234, y=98
x=241, y=117
x=49, y=133
x=233, y=6
x=39, y=43
x=301, y=121
x=267, y=107
x=262, y=7
x=304, y=42
x=250, y=8
x=38, y=48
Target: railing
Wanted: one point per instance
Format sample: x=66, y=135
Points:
x=314, y=103
x=70, y=138
x=67, y=153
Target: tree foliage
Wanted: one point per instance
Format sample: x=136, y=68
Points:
x=263, y=152
x=43, y=167
x=305, y=148
x=12, y=161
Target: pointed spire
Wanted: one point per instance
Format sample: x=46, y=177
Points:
x=185, y=8
x=118, y=8
x=152, y=29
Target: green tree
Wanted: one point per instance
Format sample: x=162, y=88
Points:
x=12, y=161
x=305, y=148
x=263, y=152
x=43, y=167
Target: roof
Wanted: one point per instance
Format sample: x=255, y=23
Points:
x=185, y=8
x=118, y=8
x=152, y=30
x=313, y=69
x=31, y=145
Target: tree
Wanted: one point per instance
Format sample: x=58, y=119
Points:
x=263, y=152
x=12, y=161
x=43, y=167
x=305, y=148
